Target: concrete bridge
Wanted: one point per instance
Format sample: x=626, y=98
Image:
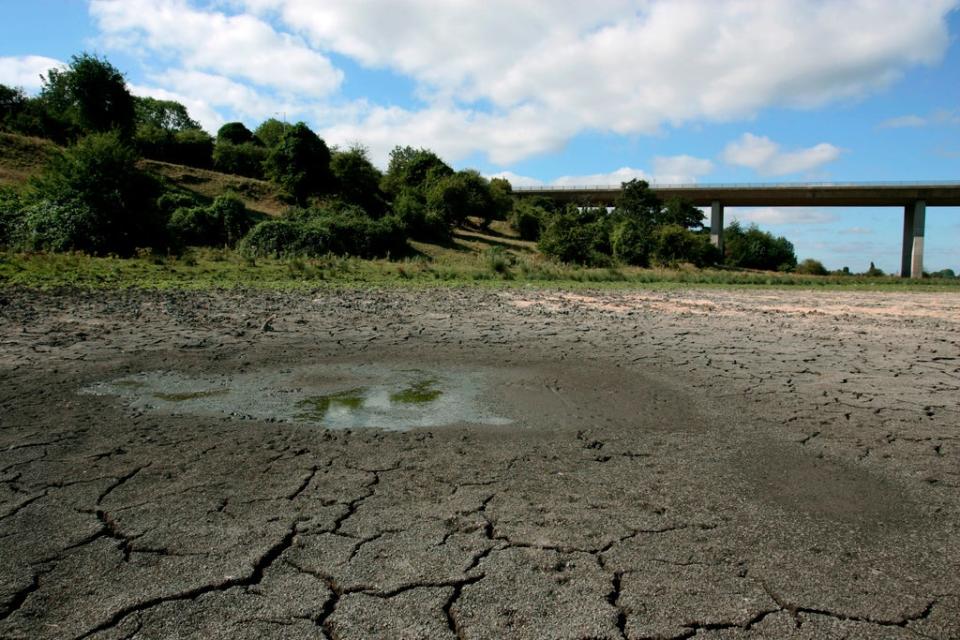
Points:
x=914, y=197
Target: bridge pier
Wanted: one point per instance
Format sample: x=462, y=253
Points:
x=914, y=220
x=716, y=225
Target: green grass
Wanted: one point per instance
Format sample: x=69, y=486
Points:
x=225, y=269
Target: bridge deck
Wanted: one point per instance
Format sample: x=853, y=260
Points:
x=886, y=194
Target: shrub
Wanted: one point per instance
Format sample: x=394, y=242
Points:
x=63, y=226
x=526, y=219
x=409, y=207
x=319, y=231
x=245, y=159
x=811, y=267
x=582, y=237
x=95, y=185
x=675, y=244
x=11, y=214
x=222, y=223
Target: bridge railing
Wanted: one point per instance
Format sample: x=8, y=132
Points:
x=747, y=185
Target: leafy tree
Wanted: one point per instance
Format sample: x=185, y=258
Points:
x=90, y=95
x=93, y=198
x=13, y=102
x=873, y=271
x=358, y=181
x=193, y=147
x=235, y=133
x=680, y=212
x=300, y=164
x=947, y=274
x=756, y=249
x=458, y=196
x=639, y=213
x=411, y=168
x=167, y=115
x=270, y=131
x=501, y=191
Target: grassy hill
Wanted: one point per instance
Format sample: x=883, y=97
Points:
x=22, y=157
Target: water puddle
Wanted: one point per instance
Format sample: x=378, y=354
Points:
x=335, y=396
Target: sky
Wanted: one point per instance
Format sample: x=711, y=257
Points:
x=567, y=92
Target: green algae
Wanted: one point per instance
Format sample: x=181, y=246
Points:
x=421, y=392
x=183, y=396
x=316, y=407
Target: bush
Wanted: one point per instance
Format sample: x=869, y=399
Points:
x=409, y=207
x=526, y=219
x=11, y=214
x=96, y=189
x=222, y=223
x=358, y=181
x=245, y=159
x=581, y=237
x=811, y=267
x=675, y=244
x=63, y=226
x=320, y=231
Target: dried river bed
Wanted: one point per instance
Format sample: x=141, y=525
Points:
x=477, y=464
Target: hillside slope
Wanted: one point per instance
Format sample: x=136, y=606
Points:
x=22, y=157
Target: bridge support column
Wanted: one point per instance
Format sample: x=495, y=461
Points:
x=914, y=221
x=716, y=224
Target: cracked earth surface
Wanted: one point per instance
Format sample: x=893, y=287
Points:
x=709, y=464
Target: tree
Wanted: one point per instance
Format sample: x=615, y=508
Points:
x=411, y=168
x=270, y=132
x=458, y=196
x=166, y=115
x=235, y=133
x=300, y=164
x=811, y=267
x=90, y=95
x=358, y=181
x=501, y=191
x=639, y=213
x=680, y=212
x=756, y=249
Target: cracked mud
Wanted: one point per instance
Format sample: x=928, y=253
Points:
x=473, y=464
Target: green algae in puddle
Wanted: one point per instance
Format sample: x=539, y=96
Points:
x=183, y=396
x=420, y=392
x=316, y=407
x=130, y=384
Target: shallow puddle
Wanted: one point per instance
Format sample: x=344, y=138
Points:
x=336, y=396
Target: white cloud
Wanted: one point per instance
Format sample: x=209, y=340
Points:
x=25, y=71
x=764, y=156
x=680, y=169
x=785, y=215
x=240, y=46
x=938, y=117
x=519, y=78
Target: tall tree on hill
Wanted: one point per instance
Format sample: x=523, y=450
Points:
x=300, y=164
x=91, y=96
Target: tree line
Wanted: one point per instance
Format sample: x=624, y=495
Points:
x=95, y=197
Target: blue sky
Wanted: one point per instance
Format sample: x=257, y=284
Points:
x=544, y=91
